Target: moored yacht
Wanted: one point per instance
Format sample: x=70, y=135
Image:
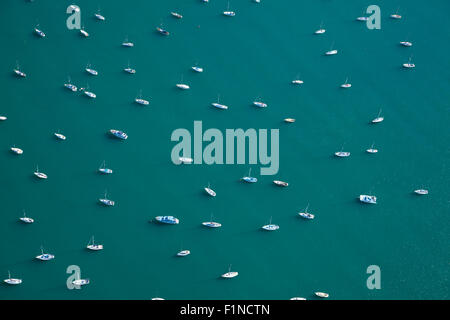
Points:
x=91, y=71
x=321, y=30
x=197, y=69
x=297, y=298
x=406, y=43
x=84, y=33
x=421, y=191
x=167, y=219
x=346, y=84
x=16, y=150
x=26, y=219
x=342, y=154
x=322, y=294
x=331, y=52
x=12, y=281
x=362, y=18
x=60, y=136
x=409, y=64
x=107, y=202
x=211, y=223
x=183, y=86
x=127, y=43
x=280, y=183
x=229, y=13
x=90, y=94
x=103, y=168
x=230, y=274
x=183, y=253
x=289, y=120
x=185, y=160
x=176, y=15
x=378, y=118
x=129, y=70
x=70, y=86
x=371, y=149
x=3, y=118
x=210, y=191
x=99, y=16
x=218, y=105
x=260, y=104
x=40, y=175
x=81, y=282
x=39, y=32
x=367, y=199
x=142, y=101
x=18, y=72
x=270, y=226
x=162, y=31
x=305, y=214
x=118, y=134
x=92, y=246
x=45, y=256
x=249, y=178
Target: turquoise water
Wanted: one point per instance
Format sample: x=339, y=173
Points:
x=255, y=54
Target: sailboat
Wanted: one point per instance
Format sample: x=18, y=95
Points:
x=182, y=85
x=3, y=118
x=210, y=191
x=421, y=191
x=218, y=105
x=84, y=32
x=297, y=80
x=270, y=226
x=197, y=69
x=280, y=183
x=229, y=13
x=103, y=168
x=321, y=30
x=70, y=86
x=18, y=72
x=305, y=214
x=230, y=274
x=12, y=280
x=409, y=64
x=39, y=32
x=346, y=84
x=129, y=70
x=297, y=298
x=127, y=43
x=99, y=16
x=92, y=246
x=40, y=175
x=88, y=93
x=396, y=15
x=406, y=43
x=183, y=253
x=249, y=178
x=90, y=70
x=45, y=256
x=378, y=118
x=26, y=219
x=60, y=136
x=81, y=282
x=211, y=223
x=331, y=51
x=176, y=15
x=162, y=31
x=141, y=101
x=185, y=160
x=371, y=149
x=259, y=104
x=16, y=150
x=367, y=199
x=289, y=120
x=322, y=294
x=106, y=201
x=342, y=153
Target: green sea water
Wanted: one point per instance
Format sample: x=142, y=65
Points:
x=254, y=54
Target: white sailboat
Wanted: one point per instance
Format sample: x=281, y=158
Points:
x=230, y=274
x=12, y=281
x=270, y=226
x=371, y=149
x=321, y=30
x=331, y=51
x=210, y=191
x=212, y=223
x=25, y=218
x=182, y=85
x=378, y=118
x=322, y=294
x=342, y=153
x=16, y=150
x=45, y=256
x=40, y=175
x=92, y=246
x=229, y=13
x=18, y=72
x=106, y=201
x=141, y=101
x=346, y=84
x=218, y=105
x=103, y=168
x=409, y=64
